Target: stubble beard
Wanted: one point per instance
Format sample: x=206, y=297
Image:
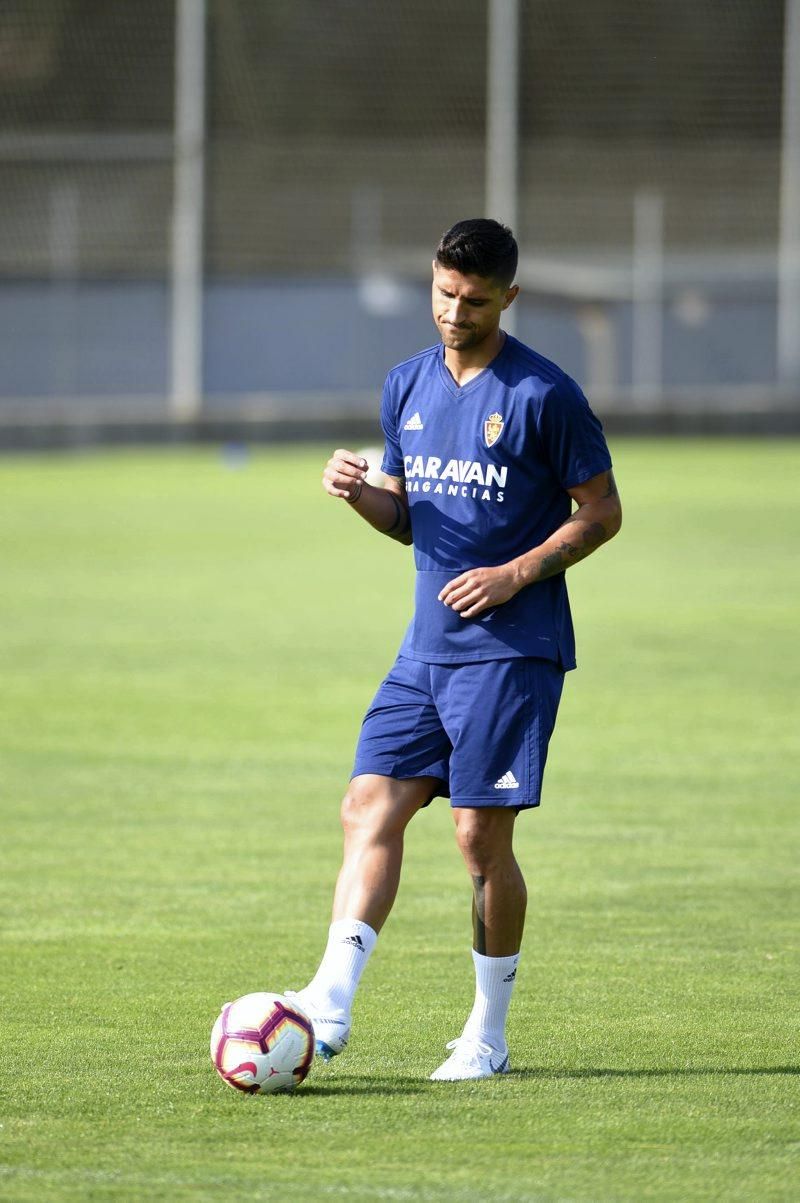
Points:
x=461, y=340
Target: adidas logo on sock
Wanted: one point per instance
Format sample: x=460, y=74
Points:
x=507, y=781
x=414, y=423
x=511, y=976
x=356, y=941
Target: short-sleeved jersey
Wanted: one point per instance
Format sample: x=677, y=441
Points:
x=487, y=467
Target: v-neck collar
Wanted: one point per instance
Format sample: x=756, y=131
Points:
x=459, y=390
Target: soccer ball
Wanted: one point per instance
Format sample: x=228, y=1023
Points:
x=262, y=1043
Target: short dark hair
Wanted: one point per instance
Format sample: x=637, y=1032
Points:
x=480, y=247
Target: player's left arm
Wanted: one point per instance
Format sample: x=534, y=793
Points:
x=596, y=520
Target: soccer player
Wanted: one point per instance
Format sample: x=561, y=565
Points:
x=488, y=445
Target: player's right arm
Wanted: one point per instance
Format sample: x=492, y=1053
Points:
x=385, y=509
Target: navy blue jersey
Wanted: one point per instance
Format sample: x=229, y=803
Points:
x=487, y=467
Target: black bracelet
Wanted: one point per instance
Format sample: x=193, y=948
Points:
x=351, y=500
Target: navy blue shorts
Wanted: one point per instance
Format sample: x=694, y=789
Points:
x=482, y=729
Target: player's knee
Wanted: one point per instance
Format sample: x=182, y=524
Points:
x=484, y=842
x=353, y=810
x=364, y=810
x=477, y=850
x=380, y=808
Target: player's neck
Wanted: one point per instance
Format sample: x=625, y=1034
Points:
x=465, y=365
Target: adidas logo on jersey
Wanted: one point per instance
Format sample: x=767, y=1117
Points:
x=414, y=423
x=507, y=781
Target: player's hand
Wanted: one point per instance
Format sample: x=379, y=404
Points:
x=480, y=589
x=344, y=475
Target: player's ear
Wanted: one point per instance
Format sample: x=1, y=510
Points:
x=511, y=295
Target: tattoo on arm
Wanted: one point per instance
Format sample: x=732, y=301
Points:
x=479, y=915
x=570, y=553
x=592, y=534
x=611, y=486
x=592, y=537
x=552, y=563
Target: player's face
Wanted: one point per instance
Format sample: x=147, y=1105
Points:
x=467, y=309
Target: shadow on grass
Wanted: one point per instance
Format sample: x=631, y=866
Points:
x=678, y=1072
x=387, y=1085
x=351, y=1084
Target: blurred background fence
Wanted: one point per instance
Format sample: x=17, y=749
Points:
x=220, y=214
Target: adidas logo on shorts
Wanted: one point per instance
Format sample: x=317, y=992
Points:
x=507, y=781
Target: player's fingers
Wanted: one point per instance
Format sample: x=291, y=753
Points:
x=340, y=478
x=466, y=600
x=458, y=582
x=348, y=457
x=468, y=585
x=332, y=491
x=339, y=486
x=477, y=608
x=339, y=470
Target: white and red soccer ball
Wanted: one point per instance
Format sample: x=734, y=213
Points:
x=262, y=1043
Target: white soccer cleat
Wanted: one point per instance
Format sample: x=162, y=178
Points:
x=331, y=1031
x=471, y=1058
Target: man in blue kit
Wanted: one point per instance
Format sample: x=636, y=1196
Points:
x=488, y=445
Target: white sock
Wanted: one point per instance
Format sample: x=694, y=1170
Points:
x=333, y=986
x=494, y=985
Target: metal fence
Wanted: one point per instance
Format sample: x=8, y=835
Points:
x=229, y=207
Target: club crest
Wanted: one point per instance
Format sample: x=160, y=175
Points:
x=492, y=429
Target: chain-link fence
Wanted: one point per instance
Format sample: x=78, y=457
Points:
x=652, y=176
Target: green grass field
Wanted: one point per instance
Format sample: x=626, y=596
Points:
x=186, y=651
